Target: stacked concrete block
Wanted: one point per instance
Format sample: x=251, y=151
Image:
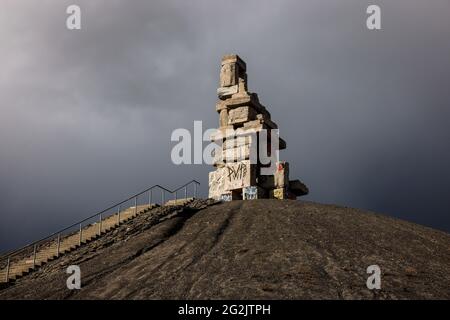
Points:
x=253, y=193
x=244, y=123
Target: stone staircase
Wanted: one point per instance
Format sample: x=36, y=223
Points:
x=52, y=250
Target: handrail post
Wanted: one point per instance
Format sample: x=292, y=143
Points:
x=135, y=205
x=7, y=269
x=34, y=255
x=58, y=245
x=150, y=196
x=185, y=192
x=81, y=234
x=100, y=224
x=162, y=197
x=118, y=215
x=195, y=190
x=176, y=198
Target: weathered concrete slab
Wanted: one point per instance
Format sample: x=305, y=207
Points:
x=238, y=153
x=234, y=59
x=281, y=176
x=216, y=183
x=227, y=91
x=298, y=188
x=253, y=193
x=241, y=115
x=239, y=175
x=239, y=141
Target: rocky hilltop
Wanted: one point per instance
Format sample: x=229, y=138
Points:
x=258, y=249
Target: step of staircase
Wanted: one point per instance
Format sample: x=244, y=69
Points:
x=179, y=202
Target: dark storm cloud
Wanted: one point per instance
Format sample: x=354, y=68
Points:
x=86, y=116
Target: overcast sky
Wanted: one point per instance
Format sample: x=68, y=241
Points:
x=86, y=116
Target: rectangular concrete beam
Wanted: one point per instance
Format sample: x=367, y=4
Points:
x=241, y=115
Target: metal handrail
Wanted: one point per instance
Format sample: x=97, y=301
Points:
x=7, y=256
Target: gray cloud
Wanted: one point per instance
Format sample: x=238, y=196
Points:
x=86, y=116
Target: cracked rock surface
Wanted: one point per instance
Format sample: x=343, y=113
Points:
x=260, y=249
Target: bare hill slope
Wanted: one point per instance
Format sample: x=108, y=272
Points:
x=251, y=250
